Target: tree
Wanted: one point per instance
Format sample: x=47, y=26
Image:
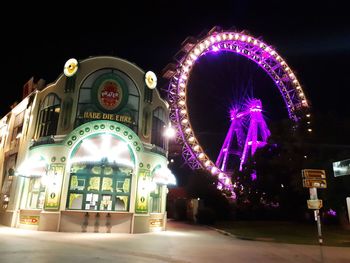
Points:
x=201, y=184
x=278, y=166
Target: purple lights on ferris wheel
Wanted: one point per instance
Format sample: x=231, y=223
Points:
x=259, y=52
x=240, y=141
x=215, y=48
x=257, y=133
x=254, y=105
x=253, y=176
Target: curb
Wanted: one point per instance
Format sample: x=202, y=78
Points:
x=240, y=237
x=222, y=231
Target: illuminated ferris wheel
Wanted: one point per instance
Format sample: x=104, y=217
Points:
x=247, y=46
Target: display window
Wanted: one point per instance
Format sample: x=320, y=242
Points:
x=100, y=174
x=155, y=200
x=36, y=194
x=99, y=187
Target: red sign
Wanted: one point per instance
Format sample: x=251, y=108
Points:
x=110, y=94
x=29, y=220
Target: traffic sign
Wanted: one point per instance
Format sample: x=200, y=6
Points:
x=315, y=183
x=314, y=174
x=314, y=204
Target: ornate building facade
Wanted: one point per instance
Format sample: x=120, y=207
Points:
x=87, y=153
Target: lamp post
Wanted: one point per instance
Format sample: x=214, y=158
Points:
x=169, y=132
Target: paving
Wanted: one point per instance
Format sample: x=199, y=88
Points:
x=180, y=243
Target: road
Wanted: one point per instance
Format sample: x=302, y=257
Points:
x=180, y=243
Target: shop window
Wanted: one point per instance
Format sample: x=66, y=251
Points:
x=155, y=200
x=49, y=113
x=100, y=187
x=158, y=123
x=36, y=194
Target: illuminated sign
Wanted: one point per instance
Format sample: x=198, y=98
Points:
x=29, y=220
x=314, y=204
x=156, y=222
x=53, y=190
x=110, y=95
x=142, y=191
x=110, y=92
x=70, y=67
x=151, y=79
x=314, y=178
x=314, y=183
x=314, y=174
x=107, y=116
x=341, y=168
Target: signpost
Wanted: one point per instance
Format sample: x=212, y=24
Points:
x=314, y=174
x=314, y=204
x=315, y=183
x=314, y=179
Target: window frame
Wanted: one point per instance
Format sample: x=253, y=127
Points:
x=159, y=121
x=40, y=191
x=48, y=116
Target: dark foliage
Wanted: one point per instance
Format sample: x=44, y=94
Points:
x=278, y=193
x=206, y=216
x=202, y=185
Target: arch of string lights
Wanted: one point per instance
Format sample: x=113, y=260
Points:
x=243, y=44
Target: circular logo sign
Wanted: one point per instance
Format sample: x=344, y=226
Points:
x=151, y=79
x=71, y=67
x=110, y=92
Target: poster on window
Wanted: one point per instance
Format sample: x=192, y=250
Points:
x=53, y=190
x=142, y=191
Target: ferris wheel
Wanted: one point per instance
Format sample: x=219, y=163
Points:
x=252, y=48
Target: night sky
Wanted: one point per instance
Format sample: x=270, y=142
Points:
x=314, y=40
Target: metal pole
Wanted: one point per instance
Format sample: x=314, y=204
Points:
x=313, y=196
x=320, y=238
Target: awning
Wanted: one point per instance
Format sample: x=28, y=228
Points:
x=104, y=147
x=163, y=175
x=32, y=167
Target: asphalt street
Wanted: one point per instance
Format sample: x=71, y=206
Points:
x=180, y=243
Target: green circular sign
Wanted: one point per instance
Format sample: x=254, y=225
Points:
x=110, y=92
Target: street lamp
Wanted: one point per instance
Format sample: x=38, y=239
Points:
x=169, y=132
